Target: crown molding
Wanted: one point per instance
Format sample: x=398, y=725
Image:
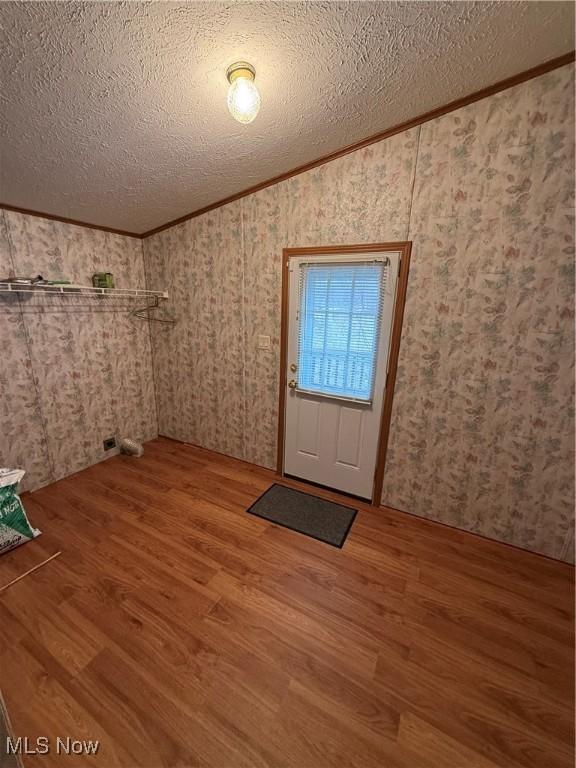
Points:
x=53, y=217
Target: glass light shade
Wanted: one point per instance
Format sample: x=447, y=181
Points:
x=243, y=99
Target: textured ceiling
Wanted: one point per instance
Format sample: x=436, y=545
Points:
x=115, y=113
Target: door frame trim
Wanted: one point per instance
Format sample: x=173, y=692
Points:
x=405, y=249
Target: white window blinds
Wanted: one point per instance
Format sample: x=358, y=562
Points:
x=339, y=325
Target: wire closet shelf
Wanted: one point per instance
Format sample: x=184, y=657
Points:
x=113, y=298
x=82, y=290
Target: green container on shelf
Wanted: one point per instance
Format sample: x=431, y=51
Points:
x=103, y=280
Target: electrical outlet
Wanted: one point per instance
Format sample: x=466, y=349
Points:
x=109, y=443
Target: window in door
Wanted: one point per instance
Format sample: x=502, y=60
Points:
x=340, y=314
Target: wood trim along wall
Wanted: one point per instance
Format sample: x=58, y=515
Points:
x=502, y=85
x=286, y=253
x=393, y=355
x=405, y=249
x=52, y=217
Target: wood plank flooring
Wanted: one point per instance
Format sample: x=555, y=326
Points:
x=180, y=631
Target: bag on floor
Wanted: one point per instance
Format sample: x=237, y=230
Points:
x=14, y=526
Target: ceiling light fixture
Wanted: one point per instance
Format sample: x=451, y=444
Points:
x=243, y=96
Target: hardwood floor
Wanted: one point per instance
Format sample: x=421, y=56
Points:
x=180, y=631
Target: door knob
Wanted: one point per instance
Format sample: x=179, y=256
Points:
x=292, y=384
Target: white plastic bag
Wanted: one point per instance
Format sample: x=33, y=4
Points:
x=14, y=526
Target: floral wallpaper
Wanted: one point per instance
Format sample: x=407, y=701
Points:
x=199, y=362
x=482, y=425
x=72, y=372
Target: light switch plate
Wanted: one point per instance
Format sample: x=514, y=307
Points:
x=263, y=342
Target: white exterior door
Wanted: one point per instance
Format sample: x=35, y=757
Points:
x=340, y=310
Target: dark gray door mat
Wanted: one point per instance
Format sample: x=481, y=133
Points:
x=321, y=519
